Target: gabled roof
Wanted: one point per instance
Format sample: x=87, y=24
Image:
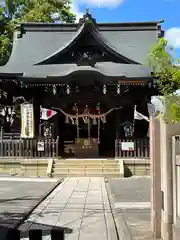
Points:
x=37, y=45
x=88, y=25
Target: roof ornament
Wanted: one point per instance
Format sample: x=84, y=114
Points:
x=87, y=18
x=86, y=59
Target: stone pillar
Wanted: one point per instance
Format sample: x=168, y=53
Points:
x=167, y=131
x=155, y=166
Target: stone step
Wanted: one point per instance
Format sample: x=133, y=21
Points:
x=86, y=162
x=89, y=174
x=100, y=166
x=56, y=170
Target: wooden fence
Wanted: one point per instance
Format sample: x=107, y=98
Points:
x=29, y=148
x=132, y=148
x=36, y=234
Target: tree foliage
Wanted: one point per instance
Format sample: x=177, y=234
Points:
x=13, y=12
x=165, y=67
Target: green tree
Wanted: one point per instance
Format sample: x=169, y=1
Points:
x=165, y=68
x=164, y=65
x=13, y=12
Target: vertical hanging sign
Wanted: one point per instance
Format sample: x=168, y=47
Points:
x=27, y=121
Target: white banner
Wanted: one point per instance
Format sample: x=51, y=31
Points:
x=27, y=121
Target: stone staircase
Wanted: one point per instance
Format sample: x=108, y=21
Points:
x=86, y=167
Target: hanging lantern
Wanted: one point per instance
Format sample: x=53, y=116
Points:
x=154, y=83
x=98, y=108
x=54, y=89
x=9, y=110
x=104, y=89
x=149, y=84
x=68, y=90
x=118, y=89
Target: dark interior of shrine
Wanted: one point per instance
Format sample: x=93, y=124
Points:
x=104, y=135
x=121, y=115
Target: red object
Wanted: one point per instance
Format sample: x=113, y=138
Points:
x=49, y=113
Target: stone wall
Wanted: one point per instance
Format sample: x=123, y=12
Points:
x=24, y=167
x=136, y=167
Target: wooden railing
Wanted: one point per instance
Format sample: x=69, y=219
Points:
x=29, y=148
x=132, y=148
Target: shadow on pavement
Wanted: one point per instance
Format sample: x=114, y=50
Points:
x=127, y=172
x=45, y=229
x=24, y=232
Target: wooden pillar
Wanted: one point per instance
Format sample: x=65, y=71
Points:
x=117, y=123
x=36, y=105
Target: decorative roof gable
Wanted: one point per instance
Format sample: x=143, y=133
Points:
x=87, y=47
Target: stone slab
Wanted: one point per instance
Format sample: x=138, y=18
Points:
x=84, y=212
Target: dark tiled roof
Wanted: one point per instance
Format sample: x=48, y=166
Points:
x=108, y=69
x=39, y=41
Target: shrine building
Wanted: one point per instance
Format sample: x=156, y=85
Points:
x=92, y=74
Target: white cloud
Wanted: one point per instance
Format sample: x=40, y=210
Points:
x=101, y=3
x=173, y=37
x=76, y=11
x=93, y=3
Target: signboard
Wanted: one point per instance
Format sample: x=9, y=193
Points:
x=40, y=146
x=127, y=146
x=27, y=121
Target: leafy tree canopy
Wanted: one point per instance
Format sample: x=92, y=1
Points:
x=13, y=12
x=165, y=67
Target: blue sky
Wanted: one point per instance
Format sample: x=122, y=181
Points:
x=136, y=10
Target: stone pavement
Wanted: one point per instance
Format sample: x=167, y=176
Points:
x=80, y=206
x=131, y=198
x=18, y=196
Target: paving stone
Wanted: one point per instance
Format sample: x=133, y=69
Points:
x=78, y=206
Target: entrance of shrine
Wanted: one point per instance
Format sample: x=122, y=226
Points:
x=87, y=132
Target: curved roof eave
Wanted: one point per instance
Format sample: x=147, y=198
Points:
x=111, y=48
x=104, y=42
x=108, y=71
x=63, y=49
